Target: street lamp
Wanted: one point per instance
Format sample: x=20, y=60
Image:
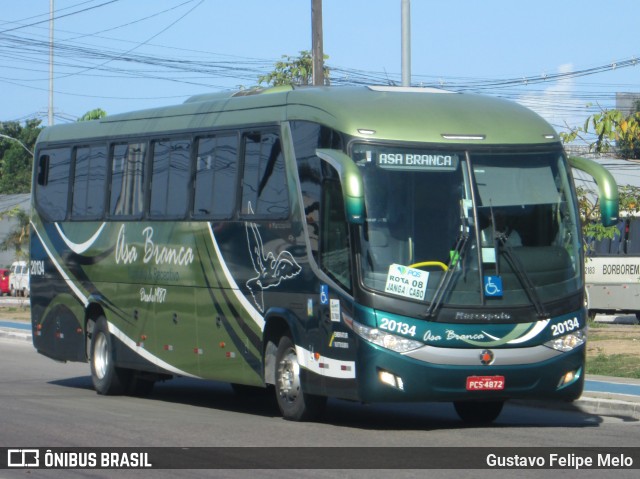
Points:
x=17, y=141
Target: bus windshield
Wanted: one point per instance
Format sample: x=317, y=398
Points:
x=513, y=209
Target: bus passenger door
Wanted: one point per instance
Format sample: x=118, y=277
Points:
x=337, y=346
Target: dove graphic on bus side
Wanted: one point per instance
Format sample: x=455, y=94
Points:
x=271, y=269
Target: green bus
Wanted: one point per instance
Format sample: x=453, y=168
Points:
x=375, y=244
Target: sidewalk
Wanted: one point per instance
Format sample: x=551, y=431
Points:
x=20, y=330
x=603, y=395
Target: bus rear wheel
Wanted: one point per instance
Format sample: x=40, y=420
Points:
x=478, y=412
x=294, y=403
x=106, y=377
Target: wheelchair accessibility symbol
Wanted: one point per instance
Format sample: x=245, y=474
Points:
x=324, y=294
x=493, y=286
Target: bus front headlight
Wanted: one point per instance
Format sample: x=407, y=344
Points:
x=568, y=341
x=384, y=339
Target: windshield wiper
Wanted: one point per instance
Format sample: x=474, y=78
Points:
x=456, y=257
x=523, y=276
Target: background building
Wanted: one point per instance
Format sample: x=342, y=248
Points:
x=626, y=102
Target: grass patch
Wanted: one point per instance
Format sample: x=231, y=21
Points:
x=592, y=324
x=13, y=312
x=618, y=365
x=14, y=309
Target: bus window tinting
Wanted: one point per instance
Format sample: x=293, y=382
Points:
x=127, y=180
x=89, y=182
x=633, y=243
x=52, y=186
x=170, y=179
x=216, y=177
x=264, y=186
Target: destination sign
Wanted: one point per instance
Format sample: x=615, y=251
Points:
x=417, y=160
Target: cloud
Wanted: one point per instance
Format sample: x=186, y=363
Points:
x=557, y=103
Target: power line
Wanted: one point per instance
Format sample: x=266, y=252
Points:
x=25, y=53
x=339, y=75
x=144, y=42
x=59, y=17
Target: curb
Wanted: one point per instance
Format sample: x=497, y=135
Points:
x=607, y=406
x=15, y=334
x=598, y=404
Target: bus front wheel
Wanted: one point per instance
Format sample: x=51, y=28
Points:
x=478, y=412
x=106, y=377
x=294, y=403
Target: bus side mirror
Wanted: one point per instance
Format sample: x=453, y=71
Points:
x=351, y=180
x=607, y=187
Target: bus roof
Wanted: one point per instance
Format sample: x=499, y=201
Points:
x=398, y=113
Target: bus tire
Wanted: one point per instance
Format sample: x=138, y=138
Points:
x=106, y=377
x=478, y=412
x=294, y=403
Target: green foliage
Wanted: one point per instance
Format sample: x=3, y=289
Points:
x=94, y=114
x=629, y=199
x=15, y=162
x=293, y=71
x=18, y=238
x=614, y=132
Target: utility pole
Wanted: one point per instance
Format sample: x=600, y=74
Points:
x=317, y=52
x=406, y=42
x=50, y=62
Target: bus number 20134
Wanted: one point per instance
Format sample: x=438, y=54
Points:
x=565, y=326
x=397, y=327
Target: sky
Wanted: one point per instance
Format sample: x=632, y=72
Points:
x=564, y=59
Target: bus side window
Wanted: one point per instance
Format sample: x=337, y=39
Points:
x=52, y=185
x=170, y=179
x=89, y=183
x=617, y=242
x=216, y=177
x=264, y=185
x=127, y=180
x=633, y=243
x=601, y=247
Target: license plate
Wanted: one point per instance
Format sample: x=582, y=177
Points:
x=485, y=383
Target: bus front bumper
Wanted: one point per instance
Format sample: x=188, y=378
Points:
x=383, y=375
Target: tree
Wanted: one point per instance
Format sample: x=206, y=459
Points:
x=18, y=238
x=615, y=133
x=94, y=114
x=619, y=135
x=293, y=71
x=629, y=198
x=15, y=162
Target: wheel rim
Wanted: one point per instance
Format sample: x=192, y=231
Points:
x=101, y=356
x=289, y=377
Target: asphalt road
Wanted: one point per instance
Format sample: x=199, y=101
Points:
x=48, y=404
